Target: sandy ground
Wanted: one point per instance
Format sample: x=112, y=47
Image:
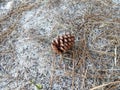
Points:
x=27, y=61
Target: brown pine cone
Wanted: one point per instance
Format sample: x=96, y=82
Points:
x=62, y=43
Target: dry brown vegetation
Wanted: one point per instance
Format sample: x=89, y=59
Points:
x=96, y=67
x=94, y=61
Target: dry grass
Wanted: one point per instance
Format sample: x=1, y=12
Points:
x=94, y=61
x=99, y=64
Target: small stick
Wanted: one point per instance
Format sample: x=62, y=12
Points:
x=97, y=87
x=115, y=58
x=73, y=73
x=52, y=72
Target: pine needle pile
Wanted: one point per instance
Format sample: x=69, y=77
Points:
x=36, y=53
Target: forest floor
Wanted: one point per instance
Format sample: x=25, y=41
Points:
x=27, y=61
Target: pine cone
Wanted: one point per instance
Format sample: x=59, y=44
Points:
x=62, y=43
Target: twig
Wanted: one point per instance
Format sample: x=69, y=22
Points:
x=97, y=87
x=52, y=72
x=115, y=58
x=73, y=74
x=103, y=52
